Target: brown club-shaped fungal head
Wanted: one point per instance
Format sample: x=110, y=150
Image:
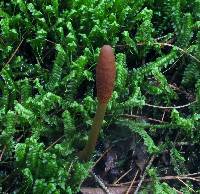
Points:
x=105, y=74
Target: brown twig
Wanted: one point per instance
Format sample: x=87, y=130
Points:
x=178, y=192
x=5, y=179
x=144, y=174
x=1, y=39
x=170, y=177
x=20, y=137
x=97, y=179
x=122, y=176
x=4, y=148
x=166, y=44
x=14, y=53
x=107, y=150
x=131, y=185
x=186, y=184
x=163, y=116
x=141, y=117
x=176, y=61
x=171, y=107
x=50, y=41
x=113, y=190
x=187, y=95
x=54, y=143
x=178, y=48
x=192, y=174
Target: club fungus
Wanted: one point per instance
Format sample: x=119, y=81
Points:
x=105, y=77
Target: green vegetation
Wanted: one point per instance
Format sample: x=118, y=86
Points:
x=48, y=54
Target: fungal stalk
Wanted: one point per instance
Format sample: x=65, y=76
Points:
x=105, y=77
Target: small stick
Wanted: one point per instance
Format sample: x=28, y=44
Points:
x=186, y=184
x=192, y=174
x=132, y=182
x=163, y=116
x=50, y=41
x=13, y=54
x=1, y=39
x=181, y=177
x=121, y=177
x=142, y=117
x=102, y=156
x=177, y=191
x=54, y=143
x=70, y=167
x=180, y=49
x=19, y=138
x=180, y=90
x=171, y=107
x=144, y=174
x=100, y=182
x=4, y=148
